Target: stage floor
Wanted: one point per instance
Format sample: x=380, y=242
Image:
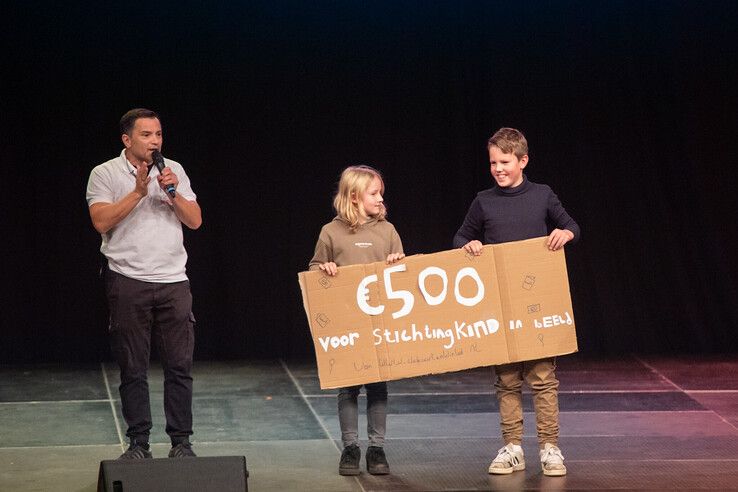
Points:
x=635, y=422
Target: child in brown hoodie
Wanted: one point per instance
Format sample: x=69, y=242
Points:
x=359, y=234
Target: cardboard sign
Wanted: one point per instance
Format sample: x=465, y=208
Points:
x=441, y=312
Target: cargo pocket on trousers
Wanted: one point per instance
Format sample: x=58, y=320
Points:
x=191, y=334
x=112, y=286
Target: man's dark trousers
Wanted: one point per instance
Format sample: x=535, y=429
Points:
x=138, y=311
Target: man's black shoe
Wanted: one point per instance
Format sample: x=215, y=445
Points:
x=136, y=451
x=376, y=461
x=182, y=450
x=349, y=464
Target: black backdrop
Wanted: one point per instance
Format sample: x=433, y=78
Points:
x=629, y=108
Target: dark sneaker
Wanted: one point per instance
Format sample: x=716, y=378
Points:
x=350, y=457
x=376, y=461
x=182, y=450
x=136, y=451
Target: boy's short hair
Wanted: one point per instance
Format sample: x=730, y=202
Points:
x=128, y=121
x=510, y=141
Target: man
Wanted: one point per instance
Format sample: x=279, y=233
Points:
x=147, y=289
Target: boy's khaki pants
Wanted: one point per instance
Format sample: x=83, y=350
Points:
x=539, y=374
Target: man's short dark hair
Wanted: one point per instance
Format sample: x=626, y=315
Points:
x=128, y=121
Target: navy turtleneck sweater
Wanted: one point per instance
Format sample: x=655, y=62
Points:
x=500, y=215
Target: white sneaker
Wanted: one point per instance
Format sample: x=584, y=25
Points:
x=552, y=461
x=509, y=459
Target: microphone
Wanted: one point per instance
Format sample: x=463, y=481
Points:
x=159, y=163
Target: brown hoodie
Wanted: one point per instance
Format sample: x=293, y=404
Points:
x=372, y=241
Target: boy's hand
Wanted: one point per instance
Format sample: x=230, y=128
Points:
x=329, y=268
x=474, y=247
x=558, y=238
x=393, y=257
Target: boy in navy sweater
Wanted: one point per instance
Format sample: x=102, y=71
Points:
x=513, y=210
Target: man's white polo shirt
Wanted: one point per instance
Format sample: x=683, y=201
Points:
x=147, y=245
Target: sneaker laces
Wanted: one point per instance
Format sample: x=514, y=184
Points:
x=505, y=457
x=349, y=455
x=551, y=455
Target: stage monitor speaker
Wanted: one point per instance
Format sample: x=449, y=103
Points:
x=201, y=474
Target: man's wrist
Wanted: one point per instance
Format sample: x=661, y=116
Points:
x=138, y=195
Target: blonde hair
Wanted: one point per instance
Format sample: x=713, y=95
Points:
x=355, y=180
x=510, y=141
